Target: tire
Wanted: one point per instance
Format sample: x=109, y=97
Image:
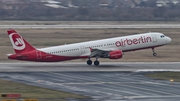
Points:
x=89, y=62
x=154, y=54
x=96, y=63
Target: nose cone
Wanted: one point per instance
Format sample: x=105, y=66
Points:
x=168, y=40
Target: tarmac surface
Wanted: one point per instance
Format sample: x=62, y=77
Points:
x=108, y=82
x=93, y=26
x=82, y=66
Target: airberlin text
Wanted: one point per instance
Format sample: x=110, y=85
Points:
x=124, y=42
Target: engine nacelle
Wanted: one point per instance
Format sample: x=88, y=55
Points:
x=117, y=54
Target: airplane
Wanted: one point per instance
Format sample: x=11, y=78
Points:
x=112, y=48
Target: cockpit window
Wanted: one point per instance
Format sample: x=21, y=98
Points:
x=162, y=36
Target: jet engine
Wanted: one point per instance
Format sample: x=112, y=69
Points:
x=117, y=54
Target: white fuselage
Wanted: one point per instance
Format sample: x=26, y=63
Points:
x=125, y=43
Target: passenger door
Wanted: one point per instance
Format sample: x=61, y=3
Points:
x=38, y=54
x=154, y=38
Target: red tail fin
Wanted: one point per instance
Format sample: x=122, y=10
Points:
x=19, y=44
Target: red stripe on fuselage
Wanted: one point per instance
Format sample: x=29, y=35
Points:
x=40, y=56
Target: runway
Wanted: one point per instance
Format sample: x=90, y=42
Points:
x=108, y=82
x=92, y=26
x=82, y=66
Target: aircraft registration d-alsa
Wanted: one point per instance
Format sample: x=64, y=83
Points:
x=111, y=48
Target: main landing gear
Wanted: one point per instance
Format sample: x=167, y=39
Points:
x=154, y=53
x=96, y=62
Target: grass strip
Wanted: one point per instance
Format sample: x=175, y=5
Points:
x=171, y=76
x=28, y=91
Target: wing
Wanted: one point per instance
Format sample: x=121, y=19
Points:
x=104, y=53
x=97, y=52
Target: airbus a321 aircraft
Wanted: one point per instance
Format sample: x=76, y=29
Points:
x=111, y=48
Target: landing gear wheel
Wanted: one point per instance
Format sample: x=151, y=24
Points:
x=96, y=63
x=89, y=62
x=154, y=54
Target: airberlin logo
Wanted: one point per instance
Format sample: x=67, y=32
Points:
x=17, y=41
x=124, y=42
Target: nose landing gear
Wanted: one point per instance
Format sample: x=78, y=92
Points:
x=154, y=53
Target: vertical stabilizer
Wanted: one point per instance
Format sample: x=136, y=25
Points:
x=19, y=44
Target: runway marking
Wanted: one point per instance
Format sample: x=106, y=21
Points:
x=71, y=85
x=91, y=83
x=70, y=77
x=99, y=82
x=138, y=97
x=119, y=91
x=74, y=88
x=160, y=70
